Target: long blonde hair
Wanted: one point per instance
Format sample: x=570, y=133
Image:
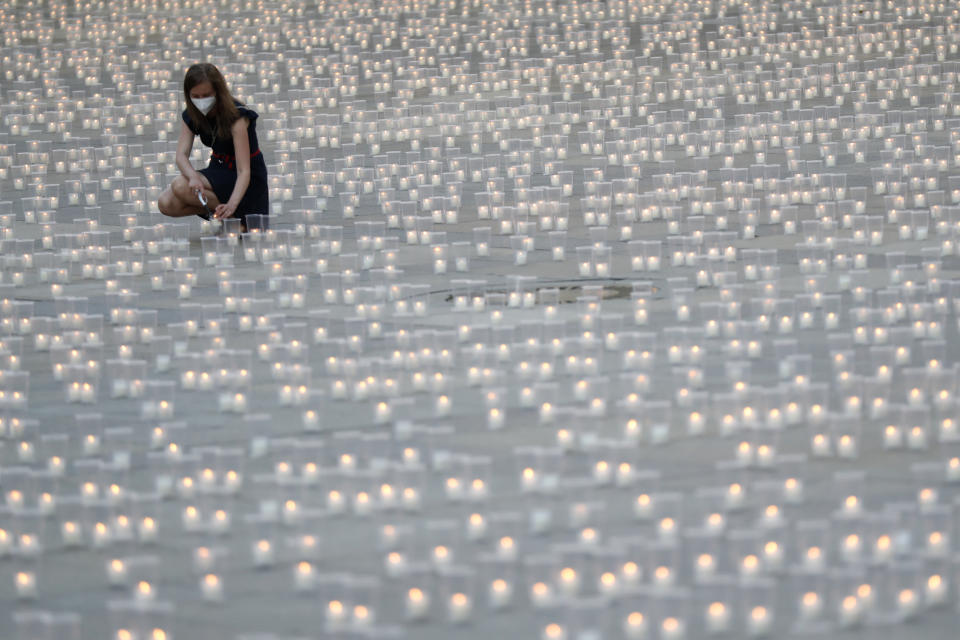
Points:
x=224, y=112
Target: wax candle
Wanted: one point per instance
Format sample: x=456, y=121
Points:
x=500, y=593
x=540, y=594
x=749, y=566
x=459, y=608
x=850, y=612
x=813, y=559
x=643, y=506
x=417, y=604
x=759, y=622
x=936, y=590
x=211, y=587
x=304, y=576
x=717, y=618
x=938, y=543
x=734, y=496
x=908, y=603
x=394, y=563
x=26, y=585
x=917, y=438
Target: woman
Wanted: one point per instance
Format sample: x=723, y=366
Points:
x=234, y=184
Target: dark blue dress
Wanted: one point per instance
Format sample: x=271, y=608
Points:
x=222, y=170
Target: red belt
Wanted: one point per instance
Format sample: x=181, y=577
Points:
x=228, y=159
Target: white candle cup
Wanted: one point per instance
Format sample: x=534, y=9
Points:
x=813, y=559
x=72, y=534
x=304, y=576
x=147, y=530
x=643, y=507
x=672, y=629
x=26, y=585
x=717, y=618
x=459, y=608
x=417, y=604
x=936, y=591
x=908, y=604
x=211, y=587
x=500, y=594
x=759, y=622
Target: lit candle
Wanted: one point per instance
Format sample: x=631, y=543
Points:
x=908, y=603
x=938, y=544
x=734, y=496
x=718, y=618
x=706, y=566
x=813, y=559
x=500, y=593
x=643, y=506
x=26, y=585
x=820, y=445
x=417, y=604
x=850, y=611
x=303, y=576
x=759, y=622
x=211, y=587
x=459, y=608
x=635, y=626
x=672, y=629
x=749, y=566
x=917, y=438
x=116, y=573
x=663, y=577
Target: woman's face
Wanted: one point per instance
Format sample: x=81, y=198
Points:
x=202, y=90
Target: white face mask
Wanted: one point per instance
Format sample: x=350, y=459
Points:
x=204, y=104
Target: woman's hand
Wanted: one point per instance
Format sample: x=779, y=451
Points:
x=196, y=184
x=224, y=211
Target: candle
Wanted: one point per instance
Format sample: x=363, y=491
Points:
x=303, y=576
x=500, y=593
x=643, y=506
x=907, y=603
x=917, y=438
x=852, y=506
x=750, y=566
x=212, y=588
x=417, y=604
x=717, y=618
x=553, y=631
x=663, y=577
x=938, y=544
x=820, y=445
x=705, y=567
x=672, y=629
x=813, y=559
x=144, y=592
x=850, y=611
x=71, y=533
x=147, y=530
x=541, y=594
x=116, y=573
x=101, y=535
x=459, y=608
x=220, y=522
x=811, y=606
x=26, y=585
x=635, y=626
x=953, y=469
x=759, y=622
x=936, y=590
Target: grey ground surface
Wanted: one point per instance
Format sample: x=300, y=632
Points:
x=80, y=77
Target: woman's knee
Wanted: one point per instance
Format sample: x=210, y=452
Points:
x=167, y=204
x=180, y=188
